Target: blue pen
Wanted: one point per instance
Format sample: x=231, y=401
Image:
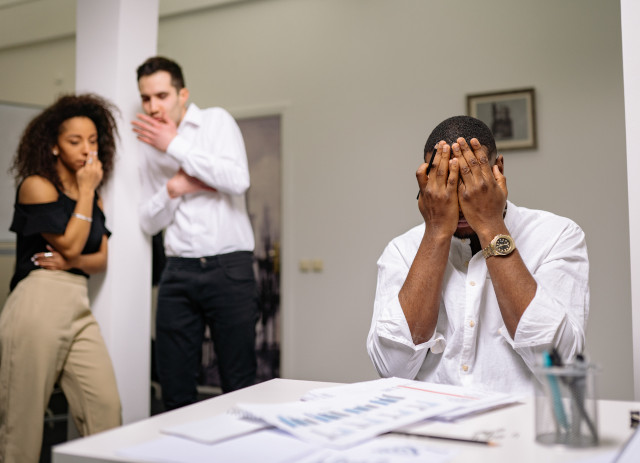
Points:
x=558, y=408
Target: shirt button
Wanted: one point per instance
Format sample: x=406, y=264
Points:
x=499, y=330
x=472, y=283
x=472, y=323
x=465, y=367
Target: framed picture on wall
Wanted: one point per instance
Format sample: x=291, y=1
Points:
x=511, y=116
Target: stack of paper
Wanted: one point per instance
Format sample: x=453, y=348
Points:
x=329, y=424
x=216, y=429
x=343, y=416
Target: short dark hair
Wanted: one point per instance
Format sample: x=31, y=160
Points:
x=41, y=135
x=160, y=63
x=467, y=127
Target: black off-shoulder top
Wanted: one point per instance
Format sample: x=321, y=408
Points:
x=31, y=220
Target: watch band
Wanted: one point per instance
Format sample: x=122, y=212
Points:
x=487, y=252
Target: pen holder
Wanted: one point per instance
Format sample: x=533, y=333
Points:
x=565, y=405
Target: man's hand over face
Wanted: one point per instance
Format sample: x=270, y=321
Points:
x=182, y=184
x=156, y=132
x=482, y=191
x=438, y=199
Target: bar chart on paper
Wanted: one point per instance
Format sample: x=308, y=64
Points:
x=352, y=417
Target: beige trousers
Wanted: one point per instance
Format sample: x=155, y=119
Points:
x=48, y=335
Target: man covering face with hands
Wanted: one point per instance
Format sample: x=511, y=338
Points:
x=476, y=293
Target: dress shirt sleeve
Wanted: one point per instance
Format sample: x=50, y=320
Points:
x=557, y=315
x=389, y=342
x=156, y=209
x=222, y=164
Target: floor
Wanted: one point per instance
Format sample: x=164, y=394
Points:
x=55, y=425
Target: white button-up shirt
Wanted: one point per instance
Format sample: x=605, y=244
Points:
x=471, y=345
x=209, y=146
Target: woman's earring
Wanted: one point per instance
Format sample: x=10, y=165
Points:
x=55, y=151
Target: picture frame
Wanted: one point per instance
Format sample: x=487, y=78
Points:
x=511, y=116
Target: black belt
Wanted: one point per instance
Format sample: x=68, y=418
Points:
x=209, y=261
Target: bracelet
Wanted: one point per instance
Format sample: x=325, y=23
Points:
x=82, y=217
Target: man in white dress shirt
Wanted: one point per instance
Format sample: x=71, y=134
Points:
x=194, y=177
x=476, y=293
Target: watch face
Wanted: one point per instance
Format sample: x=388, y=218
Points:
x=503, y=245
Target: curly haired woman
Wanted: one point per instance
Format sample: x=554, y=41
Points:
x=48, y=334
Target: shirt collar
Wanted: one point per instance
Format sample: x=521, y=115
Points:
x=193, y=116
x=509, y=216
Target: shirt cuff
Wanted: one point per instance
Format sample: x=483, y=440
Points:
x=539, y=323
x=436, y=344
x=161, y=200
x=178, y=148
x=398, y=332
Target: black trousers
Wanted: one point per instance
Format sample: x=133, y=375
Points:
x=218, y=291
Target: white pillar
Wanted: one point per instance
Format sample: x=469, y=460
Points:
x=630, y=17
x=112, y=38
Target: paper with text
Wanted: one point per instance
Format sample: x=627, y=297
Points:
x=347, y=415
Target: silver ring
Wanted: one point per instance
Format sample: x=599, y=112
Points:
x=90, y=160
x=48, y=254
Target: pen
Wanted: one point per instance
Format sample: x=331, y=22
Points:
x=577, y=385
x=556, y=397
x=449, y=438
x=577, y=389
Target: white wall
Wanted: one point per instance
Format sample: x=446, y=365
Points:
x=361, y=84
x=630, y=14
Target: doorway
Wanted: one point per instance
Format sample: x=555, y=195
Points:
x=262, y=138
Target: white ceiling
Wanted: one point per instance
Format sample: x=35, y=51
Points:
x=24, y=22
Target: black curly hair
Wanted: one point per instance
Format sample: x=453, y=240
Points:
x=467, y=127
x=34, y=155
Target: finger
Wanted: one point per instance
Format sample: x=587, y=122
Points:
x=138, y=124
x=40, y=257
x=50, y=248
x=156, y=120
x=469, y=155
x=500, y=163
x=501, y=180
x=432, y=157
x=145, y=139
x=481, y=155
x=464, y=169
x=142, y=128
x=441, y=162
x=421, y=176
x=454, y=170
x=148, y=119
x=143, y=133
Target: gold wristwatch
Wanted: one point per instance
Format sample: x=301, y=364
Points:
x=501, y=245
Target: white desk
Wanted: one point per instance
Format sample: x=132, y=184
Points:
x=512, y=428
